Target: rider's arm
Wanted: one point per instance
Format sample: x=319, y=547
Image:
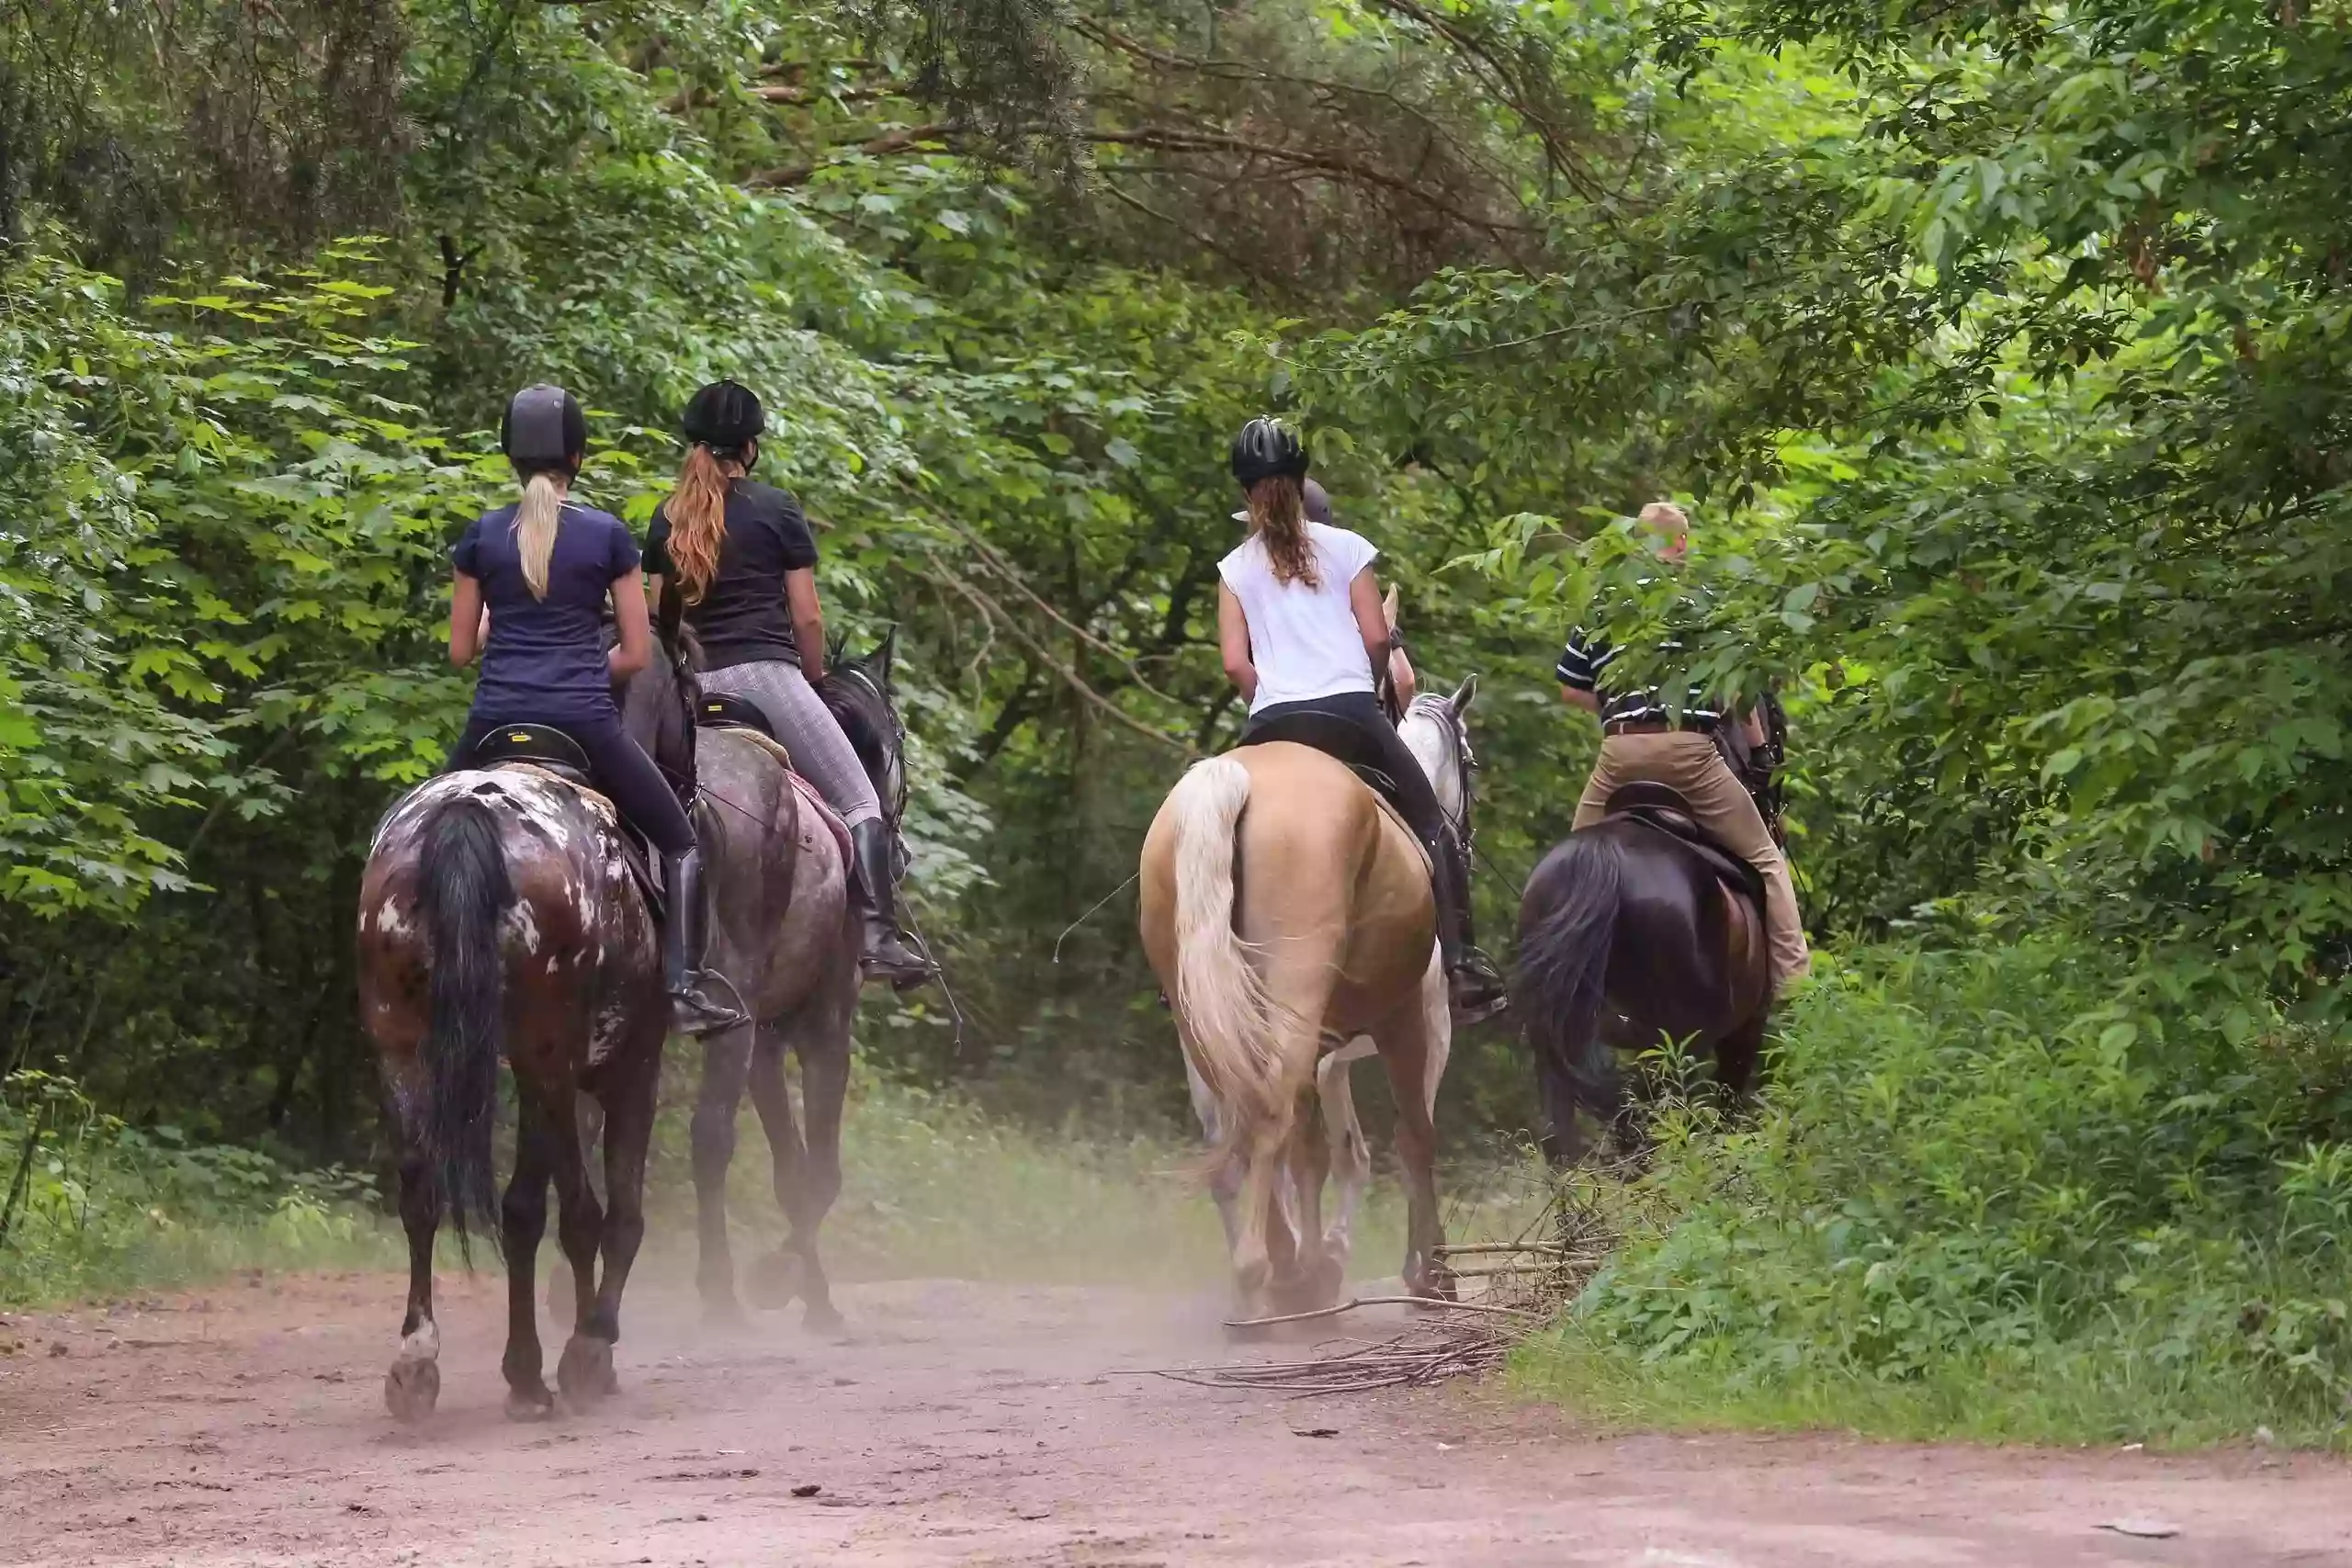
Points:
x=1579, y=672
x=469, y=620
x=1372, y=621
x=1589, y=700
x=1752, y=721
x=1233, y=641
x=634, y=648
x=808, y=621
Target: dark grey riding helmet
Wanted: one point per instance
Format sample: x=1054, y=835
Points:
x=544, y=428
x=725, y=416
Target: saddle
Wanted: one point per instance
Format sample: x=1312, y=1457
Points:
x=725, y=710
x=550, y=750
x=1662, y=808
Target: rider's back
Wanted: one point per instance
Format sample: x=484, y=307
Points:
x=545, y=659
x=1304, y=640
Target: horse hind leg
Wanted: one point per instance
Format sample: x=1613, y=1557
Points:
x=586, y=1372
x=824, y=1093
x=726, y=1069
x=413, y=1386
x=523, y=1216
x=1315, y=1278
x=775, y=1278
x=1405, y=1043
x=1349, y=1153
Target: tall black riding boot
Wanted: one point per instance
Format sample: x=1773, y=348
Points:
x=1478, y=992
x=889, y=953
x=685, y=934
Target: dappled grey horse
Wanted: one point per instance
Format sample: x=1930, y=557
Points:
x=783, y=934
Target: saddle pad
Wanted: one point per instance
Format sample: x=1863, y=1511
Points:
x=764, y=742
x=827, y=816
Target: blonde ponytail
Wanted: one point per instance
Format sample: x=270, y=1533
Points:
x=697, y=514
x=535, y=526
x=1278, y=512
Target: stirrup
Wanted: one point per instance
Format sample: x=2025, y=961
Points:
x=1474, y=991
x=694, y=1012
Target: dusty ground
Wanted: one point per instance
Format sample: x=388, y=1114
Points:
x=979, y=1424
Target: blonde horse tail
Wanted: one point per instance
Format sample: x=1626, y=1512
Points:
x=1231, y=1022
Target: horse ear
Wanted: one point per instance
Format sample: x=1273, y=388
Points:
x=884, y=651
x=1463, y=695
x=1388, y=609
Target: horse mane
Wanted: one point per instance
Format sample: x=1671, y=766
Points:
x=860, y=711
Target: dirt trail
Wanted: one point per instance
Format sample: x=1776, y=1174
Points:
x=979, y=1424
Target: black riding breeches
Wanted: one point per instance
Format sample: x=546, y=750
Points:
x=1416, y=801
x=617, y=765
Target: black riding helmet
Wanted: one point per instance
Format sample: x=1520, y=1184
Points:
x=1266, y=449
x=544, y=428
x=725, y=416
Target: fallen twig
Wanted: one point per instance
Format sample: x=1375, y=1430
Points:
x=1433, y=1303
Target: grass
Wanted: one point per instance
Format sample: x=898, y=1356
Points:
x=932, y=1185
x=1989, y=1196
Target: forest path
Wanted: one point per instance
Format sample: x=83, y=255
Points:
x=966, y=1422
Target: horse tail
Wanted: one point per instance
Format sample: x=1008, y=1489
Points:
x=1231, y=1022
x=1563, y=966
x=465, y=894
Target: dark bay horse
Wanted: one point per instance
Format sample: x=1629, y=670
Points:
x=785, y=937
x=498, y=917
x=1630, y=935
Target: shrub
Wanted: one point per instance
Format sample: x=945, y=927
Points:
x=1993, y=1193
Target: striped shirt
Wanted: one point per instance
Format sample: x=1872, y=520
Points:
x=1583, y=667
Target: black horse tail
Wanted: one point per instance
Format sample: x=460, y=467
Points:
x=466, y=895
x=1563, y=970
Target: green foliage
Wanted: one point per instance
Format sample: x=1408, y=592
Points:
x=1988, y=1195
x=91, y=1205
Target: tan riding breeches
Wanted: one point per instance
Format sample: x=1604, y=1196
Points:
x=1689, y=763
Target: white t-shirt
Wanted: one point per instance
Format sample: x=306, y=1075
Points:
x=1304, y=640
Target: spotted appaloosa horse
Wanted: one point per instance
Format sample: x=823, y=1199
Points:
x=498, y=917
x=1303, y=922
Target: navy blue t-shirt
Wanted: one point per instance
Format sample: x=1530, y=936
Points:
x=545, y=658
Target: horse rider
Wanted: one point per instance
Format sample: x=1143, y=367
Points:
x=1642, y=740
x=744, y=563
x=1300, y=624
x=532, y=580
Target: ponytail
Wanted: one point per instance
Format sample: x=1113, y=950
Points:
x=697, y=513
x=534, y=528
x=1278, y=512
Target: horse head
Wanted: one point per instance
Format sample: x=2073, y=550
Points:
x=1436, y=731
x=858, y=694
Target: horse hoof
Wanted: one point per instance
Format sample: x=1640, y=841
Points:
x=774, y=1281
x=530, y=1404
x=411, y=1388
x=823, y=1317
x=586, y=1373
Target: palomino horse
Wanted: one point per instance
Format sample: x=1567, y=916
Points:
x=498, y=917
x=784, y=935
x=1305, y=919
x=1630, y=935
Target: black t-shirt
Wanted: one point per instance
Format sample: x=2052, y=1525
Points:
x=546, y=659
x=743, y=615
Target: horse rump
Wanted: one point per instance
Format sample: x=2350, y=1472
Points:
x=465, y=891
x=1567, y=926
